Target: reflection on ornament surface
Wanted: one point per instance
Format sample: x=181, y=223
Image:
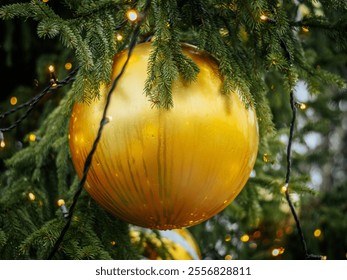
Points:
x=177, y=244
x=166, y=168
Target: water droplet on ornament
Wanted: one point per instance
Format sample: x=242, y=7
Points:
x=225, y=201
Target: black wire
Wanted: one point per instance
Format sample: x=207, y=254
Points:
x=288, y=173
x=289, y=156
x=103, y=122
x=33, y=101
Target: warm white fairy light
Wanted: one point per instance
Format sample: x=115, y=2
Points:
x=266, y=157
x=119, y=37
x=284, y=188
x=303, y=106
x=132, y=15
x=305, y=29
x=32, y=137
x=68, y=65
x=263, y=17
x=2, y=140
x=13, y=100
x=317, y=233
x=31, y=196
x=60, y=202
x=64, y=210
x=244, y=238
x=51, y=70
x=277, y=251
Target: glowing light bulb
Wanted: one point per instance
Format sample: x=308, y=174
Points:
x=113, y=243
x=244, y=238
x=275, y=252
x=263, y=17
x=227, y=238
x=132, y=15
x=303, y=106
x=2, y=140
x=32, y=137
x=305, y=29
x=284, y=188
x=317, y=233
x=51, y=68
x=265, y=157
x=119, y=37
x=228, y=257
x=60, y=202
x=13, y=100
x=31, y=196
x=68, y=65
x=64, y=210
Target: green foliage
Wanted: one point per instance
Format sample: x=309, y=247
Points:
x=29, y=190
x=261, y=60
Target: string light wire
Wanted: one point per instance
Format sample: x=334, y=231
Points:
x=103, y=122
x=285, y=188
x=293, y=107
x=30, y=104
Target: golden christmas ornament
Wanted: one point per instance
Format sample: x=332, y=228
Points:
x=160, y=168
x=179, y=243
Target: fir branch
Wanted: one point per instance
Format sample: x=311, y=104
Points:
x=16, y=10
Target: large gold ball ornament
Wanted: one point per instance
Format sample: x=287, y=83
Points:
x=178, y=243
x=166, y=168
